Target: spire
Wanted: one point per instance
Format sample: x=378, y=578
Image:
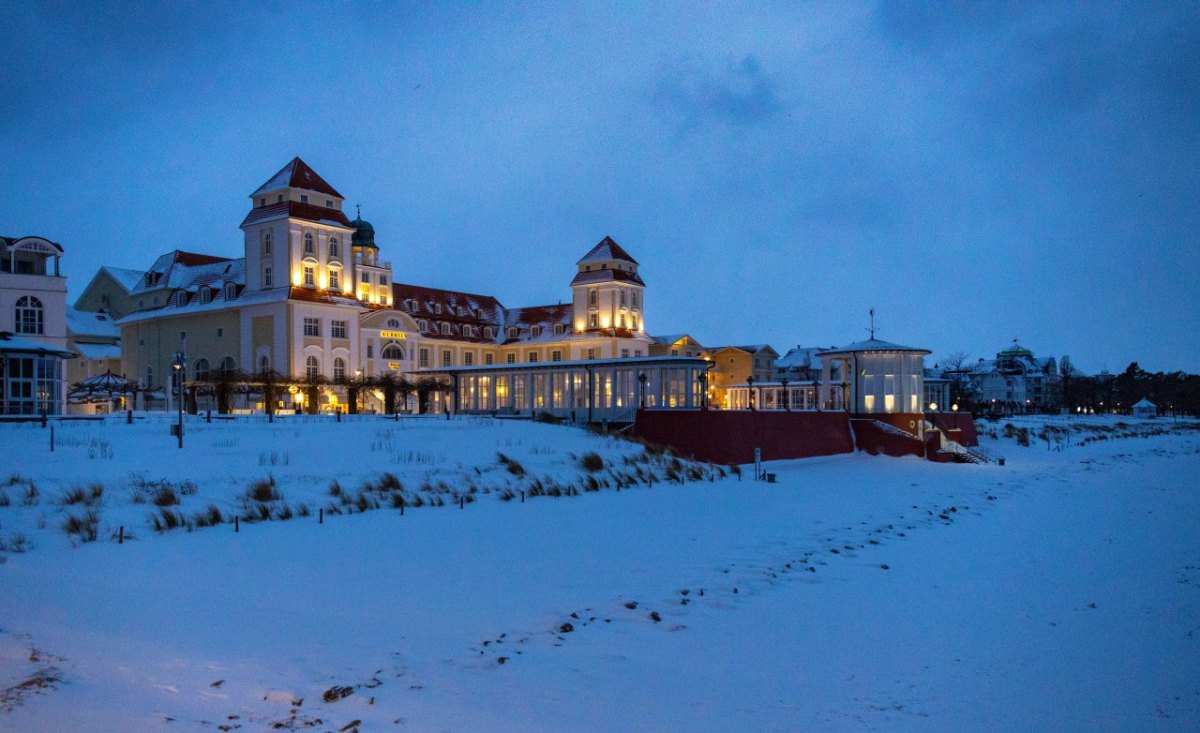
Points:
x=872, y=329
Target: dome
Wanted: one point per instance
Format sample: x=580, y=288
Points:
x=364, y=234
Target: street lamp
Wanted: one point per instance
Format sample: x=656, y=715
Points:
x=178, y=366
x=750, y=391
x=703, y=377
x=787, y=402
x=642, y=379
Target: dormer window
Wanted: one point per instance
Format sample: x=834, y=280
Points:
x=304, y=198
x=468, y=331
x=230, y=291
x=262, y=201
x=445, y=329
x=309, y=245
x=437, y=308
x=535, y=331
x=558, y=329
x=205, y=295
x=181, y=298
x=462, y=312
x=488, y=332
x=333, y=247
x=514, y=332
x=329, y=203
x=279, y=198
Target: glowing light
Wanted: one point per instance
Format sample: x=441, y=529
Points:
x=296, y=278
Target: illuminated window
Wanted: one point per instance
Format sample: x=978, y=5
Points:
x=339, y=369
x=310, y=276
x=333, y=247
x=309, y=247
x=29, y=315
x=312, y=368
x=334, y=280
x=593, y=320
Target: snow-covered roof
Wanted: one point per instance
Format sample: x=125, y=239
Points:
x=800, y=356
x=11, y=343
x=83, y=323
x=126, y=278
x=99, y=351
x=606, y=251
x=1144, y=403
x=873, y=344
x=297, y=174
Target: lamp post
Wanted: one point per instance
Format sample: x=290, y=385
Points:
x=178, y=366
x=703, y=378
x=787, y=401
x=750, y=392
x=845, y=390
x=642, y=379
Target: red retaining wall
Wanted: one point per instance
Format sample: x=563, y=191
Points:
x=958, y=426
x=721, y=436
x=873, y=439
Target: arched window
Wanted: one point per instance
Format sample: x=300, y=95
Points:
x=514, y=332
x=535, y=331
x=339, y=369
x=264, y=364
x=423, y=325
x=488, y=332
x=29, y=315
x=558, y=329
x=228, y=365
x=445, y=329
x=312, y=367
x=230, y=291
x=393, y=352
x=205, y=295
x=201, y=370
x=267, y=242
x=309, y=248
x=468, y=331
x=393, y=323
x=333, y=247
x=593, y=296
x=181, y=298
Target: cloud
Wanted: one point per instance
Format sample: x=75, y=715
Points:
x=740, y=95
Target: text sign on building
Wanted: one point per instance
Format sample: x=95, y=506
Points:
x=394, y=366
x=393, y=335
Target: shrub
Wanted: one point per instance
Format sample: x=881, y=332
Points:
x=389, y=482
x=209, y=517
x=4, y=500
x=165, y=519
x=29, y=497
x=592, y=462
x=165, y=496
x=84, y=526
x=263, y=490
x=335, y=488
x=513, y=467
x=16, y=542
x=74, y=496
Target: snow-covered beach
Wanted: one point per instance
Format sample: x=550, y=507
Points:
x=1060, y=591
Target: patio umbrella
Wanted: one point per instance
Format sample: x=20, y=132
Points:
x=106, y=386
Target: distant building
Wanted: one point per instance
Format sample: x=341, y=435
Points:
x=33, y=327
x=1016, y=380
x=96, y=341
x=1144, y=408
x=873, y=376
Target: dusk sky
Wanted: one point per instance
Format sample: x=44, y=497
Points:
x=974, y=172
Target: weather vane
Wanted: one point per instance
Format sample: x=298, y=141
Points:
x=871, y=330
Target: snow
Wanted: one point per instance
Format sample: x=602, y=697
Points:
x=1060, y=591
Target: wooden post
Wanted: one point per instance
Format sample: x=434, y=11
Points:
x=236, y=528
x=522, y=496
x=462, y=502
x=51, y=438
x=321, y=515
x=121, y=535
x=402, y=510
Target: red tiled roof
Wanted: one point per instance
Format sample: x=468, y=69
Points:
x=607, y=249
x=297, y=174
x=422, y=302
x=312, y=295
x=297, y=210
x=191, y=259
x=605, y=275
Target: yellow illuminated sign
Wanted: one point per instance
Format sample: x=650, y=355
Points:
x=393, y=334
x=394, y=366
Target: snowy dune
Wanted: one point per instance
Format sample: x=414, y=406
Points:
x=1058, y=592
